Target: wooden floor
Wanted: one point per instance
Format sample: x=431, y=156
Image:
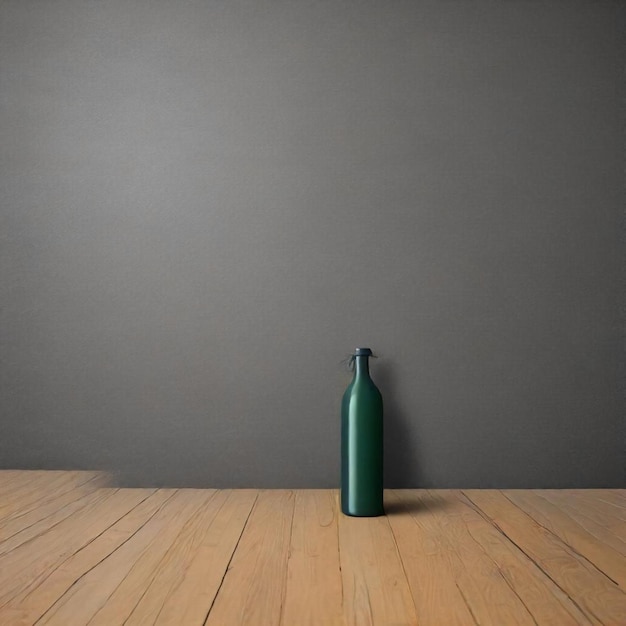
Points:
x=74, y=552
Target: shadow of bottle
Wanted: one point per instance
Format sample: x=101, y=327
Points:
x=401, y=468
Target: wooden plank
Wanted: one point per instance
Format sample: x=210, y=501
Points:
x=453, y=577
x=12, y=481
x=595, y=499
x=542, y=598
x=601, y=513
x=17, y=523
x=590, y=546
x=192, y=571
x=112, y=589
x=22, y=565
x=616, y=543
x=598, y=597
x=314, y=585
x=172, y=566
x=617, y=493
x=489, y=594
x=26, y=482
x=153, y=571
x=41, y=489
x=436, y=597
x=9, y=475
x=41, y=594
x=51, y=514
x=614, y=497
x=375, y=586
x=38, y=557
x=190, y=601
x=16, y=617
x=78, y=554
x=254, y=585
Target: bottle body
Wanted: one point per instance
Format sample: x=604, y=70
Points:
x=362, y=445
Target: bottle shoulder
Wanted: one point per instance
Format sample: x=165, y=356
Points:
x=363, y=386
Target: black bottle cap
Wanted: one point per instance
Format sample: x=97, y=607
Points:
x=362, y=352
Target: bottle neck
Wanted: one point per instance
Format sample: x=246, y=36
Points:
x=361, y=367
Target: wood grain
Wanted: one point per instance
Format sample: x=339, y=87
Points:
x=612, y=518
x=314, y=587
x=75, y=552
x=375, y=587
x=544, y=600
x=40, y=491
x=156, y=567
x=42, y=593
x=35, y=559
x=254, y=586
x=436, y=597
x=192, y=598
x=600, y=599
x=478, y=573
x=119, y=580
x=590, y=546
x=19, y=530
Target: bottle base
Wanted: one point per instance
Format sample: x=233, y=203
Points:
x=349, y=514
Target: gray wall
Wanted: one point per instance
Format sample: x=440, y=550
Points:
x=207, y=205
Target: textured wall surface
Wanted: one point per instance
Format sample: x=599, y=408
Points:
x=206, y=205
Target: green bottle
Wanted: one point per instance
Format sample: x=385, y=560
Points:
x=362, y=442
